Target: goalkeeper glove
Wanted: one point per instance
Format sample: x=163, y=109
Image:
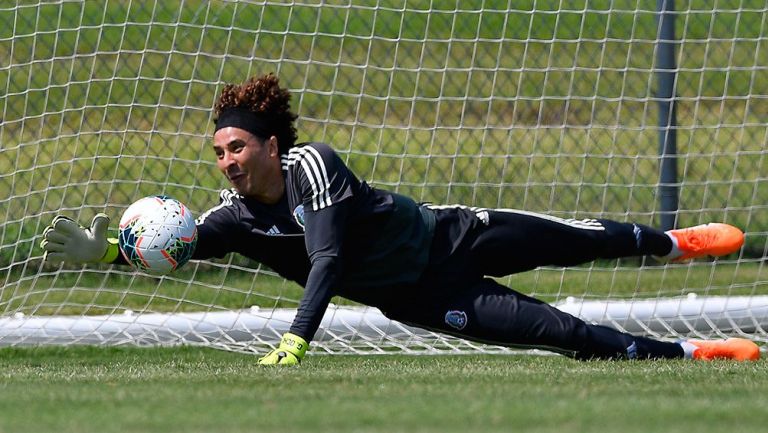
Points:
x=66, y=241
x=290, y=351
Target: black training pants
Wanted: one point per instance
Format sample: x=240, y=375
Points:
x=491, y=313
x=453, y=295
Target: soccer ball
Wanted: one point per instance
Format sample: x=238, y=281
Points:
x=157, y=235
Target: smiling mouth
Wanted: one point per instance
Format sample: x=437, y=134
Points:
x=235, y=177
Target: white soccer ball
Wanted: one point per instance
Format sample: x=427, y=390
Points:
x=157, y=235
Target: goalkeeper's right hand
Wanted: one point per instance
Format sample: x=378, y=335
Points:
x=66, y=241
x=290, y=352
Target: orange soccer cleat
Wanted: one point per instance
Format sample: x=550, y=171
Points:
x=714, y=239
x=738, y=349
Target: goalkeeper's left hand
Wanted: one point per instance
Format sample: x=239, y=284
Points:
x=290, y=351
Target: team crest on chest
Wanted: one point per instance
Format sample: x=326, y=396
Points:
x=298, y=215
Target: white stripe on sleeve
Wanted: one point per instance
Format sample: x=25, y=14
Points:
x=226, y=200
x=317, y=175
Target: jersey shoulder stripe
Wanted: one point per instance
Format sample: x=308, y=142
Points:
x=315, y=161
x=315, y=171
x=226, y=196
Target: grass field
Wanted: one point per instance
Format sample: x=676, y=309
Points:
x=198, y=390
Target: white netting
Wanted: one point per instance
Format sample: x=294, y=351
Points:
x=549, y=106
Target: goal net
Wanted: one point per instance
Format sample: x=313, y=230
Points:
x=548, y=106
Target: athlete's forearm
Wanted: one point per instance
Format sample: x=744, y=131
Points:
x=323, y=276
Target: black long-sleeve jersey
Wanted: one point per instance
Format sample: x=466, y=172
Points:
x=265, y=233
x=357, y=237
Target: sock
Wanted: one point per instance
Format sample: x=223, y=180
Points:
x=655, y=242
x=688, y=349
x=674, y=252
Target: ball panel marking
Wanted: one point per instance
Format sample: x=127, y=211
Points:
x=157, y=235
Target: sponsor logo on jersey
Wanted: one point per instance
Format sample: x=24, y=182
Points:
x=456, y=319
x=273, y=231
x=298, y=215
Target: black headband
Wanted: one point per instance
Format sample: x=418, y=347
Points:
x=242, y=118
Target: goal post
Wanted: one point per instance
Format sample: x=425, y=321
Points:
x=547, y=106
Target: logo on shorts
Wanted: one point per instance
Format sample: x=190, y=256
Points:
x=298, y=215
x=456, y=319
x=483, y=216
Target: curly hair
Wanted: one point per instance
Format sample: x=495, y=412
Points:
x=263, y=95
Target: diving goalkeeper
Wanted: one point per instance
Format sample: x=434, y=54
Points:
x=297, y=208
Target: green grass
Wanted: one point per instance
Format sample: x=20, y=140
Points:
x=196, y=390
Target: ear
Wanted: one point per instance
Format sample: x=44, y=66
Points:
x=272, y=146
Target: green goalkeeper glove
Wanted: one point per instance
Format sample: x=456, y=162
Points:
x=66, y=241
x=290, y=351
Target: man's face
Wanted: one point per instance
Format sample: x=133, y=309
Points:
x=250, y=164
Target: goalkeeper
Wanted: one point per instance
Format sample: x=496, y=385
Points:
x=299, y=209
